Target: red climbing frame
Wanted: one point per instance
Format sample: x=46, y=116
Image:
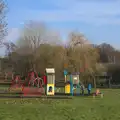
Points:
x=16, y=82
x=37, y=88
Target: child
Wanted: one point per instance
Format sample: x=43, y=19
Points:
x=82, y=89
x=98, y=93
x=89, y=88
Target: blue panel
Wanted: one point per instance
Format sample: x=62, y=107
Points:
x=71, y=85
x=65, y=72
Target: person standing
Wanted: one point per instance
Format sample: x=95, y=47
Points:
x=82, y=89
x=89, y=89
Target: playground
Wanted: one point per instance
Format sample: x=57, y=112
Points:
x=38, y=98
x=83, y=108
x=45, y=85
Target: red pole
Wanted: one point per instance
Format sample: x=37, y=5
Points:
x=45, y=79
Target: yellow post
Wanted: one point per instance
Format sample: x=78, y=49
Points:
x=67, y=89
x=67, y=86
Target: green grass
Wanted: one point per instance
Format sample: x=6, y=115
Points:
x=78, y=108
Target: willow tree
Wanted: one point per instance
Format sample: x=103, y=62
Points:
x=82, y=56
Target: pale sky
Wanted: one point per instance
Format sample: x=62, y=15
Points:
x=98, y=20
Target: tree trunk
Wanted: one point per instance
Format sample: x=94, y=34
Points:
x=94, y=81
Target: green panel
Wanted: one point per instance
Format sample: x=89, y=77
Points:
x=68, y=78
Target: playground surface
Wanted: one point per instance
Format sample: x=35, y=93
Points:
x=78, y=108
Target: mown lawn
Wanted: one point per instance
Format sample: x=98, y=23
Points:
x=78, y=108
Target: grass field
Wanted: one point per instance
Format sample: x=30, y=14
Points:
x=78, y=108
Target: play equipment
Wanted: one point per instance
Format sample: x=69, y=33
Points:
x=36, y=85
x=50, y=80
x=72, y=83
x=76, y=84
x=45, y=84
x=16, y=83
x=67, y=82
x=33, y=84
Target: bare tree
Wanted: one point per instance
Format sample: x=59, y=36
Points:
x=77, y=39
x=3, y=24
x=38, y=46
x=80, y=56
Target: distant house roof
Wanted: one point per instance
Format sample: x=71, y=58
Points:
x=110, y=64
